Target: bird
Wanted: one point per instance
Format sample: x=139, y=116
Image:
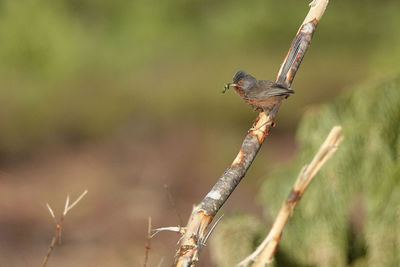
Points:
x=261, y=94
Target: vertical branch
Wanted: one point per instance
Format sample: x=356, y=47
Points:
x=193, y=240
x=147, y=247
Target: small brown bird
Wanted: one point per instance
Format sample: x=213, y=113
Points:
x=261, y=94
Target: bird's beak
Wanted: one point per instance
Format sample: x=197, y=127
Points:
x=226, y=86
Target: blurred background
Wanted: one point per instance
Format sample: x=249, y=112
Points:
x=122, y=97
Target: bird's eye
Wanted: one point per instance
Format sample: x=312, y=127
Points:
x=240, y=82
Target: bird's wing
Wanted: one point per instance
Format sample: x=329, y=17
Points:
x=266, y=89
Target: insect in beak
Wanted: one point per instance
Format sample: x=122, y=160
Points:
x=226, y=87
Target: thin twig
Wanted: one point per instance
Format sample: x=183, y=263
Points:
x=172, y=202
x=59, y=225
x=51, y=213
x=266, y=250
x=68, y=208
x=177, y=229
x=148, y=237
x=202, y=215
x=212, y=229
x=161, y=262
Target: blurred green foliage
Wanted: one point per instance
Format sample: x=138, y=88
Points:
x=246, y=232
x=78, y=69
x=350, y=214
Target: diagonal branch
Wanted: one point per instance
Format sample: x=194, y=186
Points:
x=193, y=240
x=266, y=250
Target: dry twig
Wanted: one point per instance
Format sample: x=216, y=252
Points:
x=173, y=205
x=147, y=247
x=266, y=250
x=59, y=224
x=192, y=241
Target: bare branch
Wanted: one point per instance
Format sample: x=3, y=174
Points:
x=173, y=205
x=202, y=215
x=59, y=225
x=68, y=208
x=212, y=229
x=266, y=250
x=51, y=212
x=177, y=229
x=148, y=237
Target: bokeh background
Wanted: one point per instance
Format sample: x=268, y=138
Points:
x=122, y=97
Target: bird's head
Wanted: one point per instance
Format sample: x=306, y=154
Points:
x=243, y=80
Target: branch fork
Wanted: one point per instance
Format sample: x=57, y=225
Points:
x=59, y=224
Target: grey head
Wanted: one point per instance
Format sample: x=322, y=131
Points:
x=243, y=80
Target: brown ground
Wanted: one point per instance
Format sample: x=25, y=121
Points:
x=125, y=176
